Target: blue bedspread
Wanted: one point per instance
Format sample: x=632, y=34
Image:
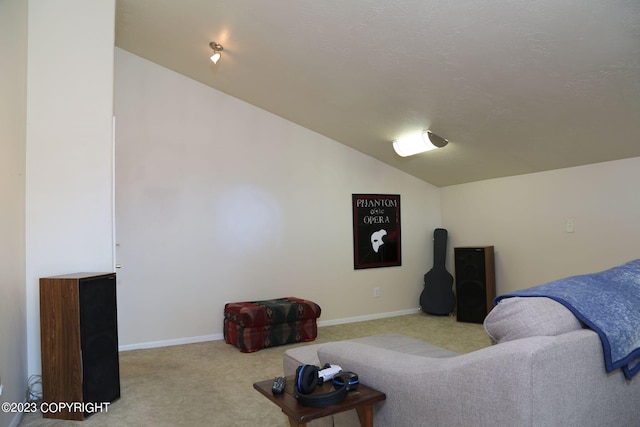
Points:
x=609, y=303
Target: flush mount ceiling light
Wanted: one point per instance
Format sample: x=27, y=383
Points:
x=418, y=143
x=217, y=49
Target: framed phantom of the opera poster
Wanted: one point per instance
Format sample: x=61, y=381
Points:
x=376, y=230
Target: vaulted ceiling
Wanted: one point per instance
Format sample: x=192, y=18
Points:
x=516, y=86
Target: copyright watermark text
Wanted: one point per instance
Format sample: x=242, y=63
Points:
x=55, y=407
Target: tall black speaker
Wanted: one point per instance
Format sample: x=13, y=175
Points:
x=99, y=339
x=79, y=342
x=475, y=282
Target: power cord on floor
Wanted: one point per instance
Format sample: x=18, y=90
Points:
x=34, y=388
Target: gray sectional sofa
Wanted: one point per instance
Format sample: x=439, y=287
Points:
x=545, y=369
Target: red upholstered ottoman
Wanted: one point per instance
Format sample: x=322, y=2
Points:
x=251, y=326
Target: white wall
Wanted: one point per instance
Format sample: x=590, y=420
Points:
x=13, y=111
x=525, y=217
x=218, y=200
x=69, y=145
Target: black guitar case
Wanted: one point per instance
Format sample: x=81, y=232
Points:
x=437, y=296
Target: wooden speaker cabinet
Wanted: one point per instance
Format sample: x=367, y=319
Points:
x=475, y=282
x=79, y=343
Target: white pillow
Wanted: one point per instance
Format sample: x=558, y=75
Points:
x=522, y=317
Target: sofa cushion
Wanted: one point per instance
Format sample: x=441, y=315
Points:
x=308, y=354
x=406, y=345
x=515, y=318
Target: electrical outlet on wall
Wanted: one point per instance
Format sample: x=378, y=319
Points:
x=376, y=292
x=569, y=227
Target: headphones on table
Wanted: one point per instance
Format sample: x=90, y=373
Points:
x=307, y=378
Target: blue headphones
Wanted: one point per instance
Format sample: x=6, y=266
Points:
x=307, y=379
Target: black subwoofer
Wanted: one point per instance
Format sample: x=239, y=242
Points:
x=475, y=282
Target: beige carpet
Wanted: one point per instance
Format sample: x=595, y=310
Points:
x=211, y=383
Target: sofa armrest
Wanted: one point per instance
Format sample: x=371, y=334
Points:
x=489, y=387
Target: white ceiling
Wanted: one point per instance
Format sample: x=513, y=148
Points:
x=516, y=86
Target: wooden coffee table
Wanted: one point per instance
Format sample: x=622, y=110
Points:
x=361, y=399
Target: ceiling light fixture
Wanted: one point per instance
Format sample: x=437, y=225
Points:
x=217, y=48
x=418, y=143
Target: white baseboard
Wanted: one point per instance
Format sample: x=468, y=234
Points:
x=168, y=343
x=16, y=420
x=216, y=337
x=367, y=317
